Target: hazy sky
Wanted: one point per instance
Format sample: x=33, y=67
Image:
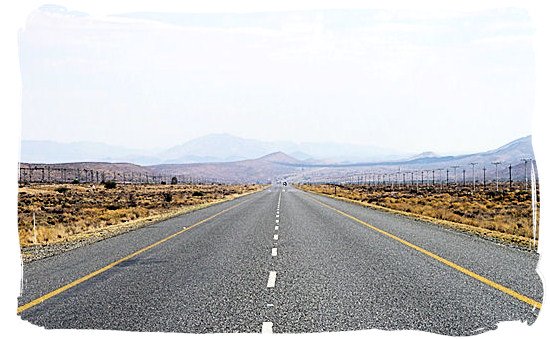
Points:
x=443, y=81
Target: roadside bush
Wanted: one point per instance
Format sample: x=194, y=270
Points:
x=197, y=194
x=110, y=184
x=61, y=189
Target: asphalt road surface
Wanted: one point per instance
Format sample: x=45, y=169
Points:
x=283, y=260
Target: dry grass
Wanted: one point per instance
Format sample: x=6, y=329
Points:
x=505, y=215
x=65, y=213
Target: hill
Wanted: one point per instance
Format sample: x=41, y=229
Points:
x=277, y=165
x=510, y=154
x=263, y=169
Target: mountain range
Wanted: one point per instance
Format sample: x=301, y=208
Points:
x=279, y=165
x=206, y=149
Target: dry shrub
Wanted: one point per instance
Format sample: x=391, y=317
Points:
x=506, y=212
x=62, y=213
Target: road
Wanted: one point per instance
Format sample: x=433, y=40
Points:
x=283, y=260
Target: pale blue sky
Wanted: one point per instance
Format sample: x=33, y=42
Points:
x=444, y=81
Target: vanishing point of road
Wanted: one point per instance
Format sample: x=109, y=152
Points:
x=283, y=260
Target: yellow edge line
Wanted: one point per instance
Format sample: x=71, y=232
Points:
x=459, y=268
x=113, y=264
x=483, y=232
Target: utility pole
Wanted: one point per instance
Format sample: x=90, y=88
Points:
x=474, y=174
x=463, y=177
x=455, y=167
x=447, y=177
x=525, y=161
x=397, y=178
x=496, y=163
x=484, y=169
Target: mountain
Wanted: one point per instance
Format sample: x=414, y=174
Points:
x=510, y=153
x=424, y=155
x=517, y=149
x=264, y=169
x=279, y=165
x=206, y=149
x=280, y=158
x=217, y=148
x=226, y=147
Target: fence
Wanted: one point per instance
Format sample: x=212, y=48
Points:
x=50, y=174
x=519, y=176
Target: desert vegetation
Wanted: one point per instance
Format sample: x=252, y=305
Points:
x=57, y=213
x=505, y=214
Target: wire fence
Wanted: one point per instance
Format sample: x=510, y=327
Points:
x=51, y=175
x=498, y=177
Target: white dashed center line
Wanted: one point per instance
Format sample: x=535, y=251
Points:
x=267, y=327
x=271, y=279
